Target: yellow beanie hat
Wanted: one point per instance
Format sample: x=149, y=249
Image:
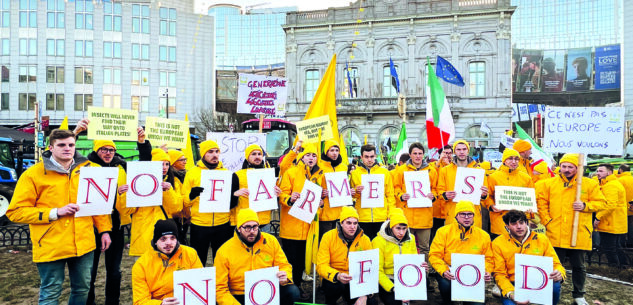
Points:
x=522, y=145
x=101, y=143
x=206, y=146
x=307, y=149
x=541, y=167
x=347, y=212
x=485, y=165
x=329, y=144
x=464, y=206
x=461, y=142
x=397, y=217
x=509, y=152
x=251, y=148
x=246, y=215
x=569, y=158
x=174, y=155
x=159, y=155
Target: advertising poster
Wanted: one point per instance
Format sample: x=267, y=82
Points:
x=607, y=67
x=553, y=71
x=578, y=69
x=530, y=71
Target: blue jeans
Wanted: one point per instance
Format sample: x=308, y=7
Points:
x=52, y=277
x=445, y=291
x=555, y=292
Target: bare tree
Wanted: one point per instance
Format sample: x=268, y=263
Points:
x=208, y=120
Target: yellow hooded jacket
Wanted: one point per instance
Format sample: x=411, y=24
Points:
x=613, y=219
x=388, y=246
x=333, y=252
x=192, y=179
x=373, y=214
x=419, y=218
x=505, y=177
x=525, y=166
x=627, y=181
x=328, y=213
x=446, y=182
x=243, y=202
x=452, y=238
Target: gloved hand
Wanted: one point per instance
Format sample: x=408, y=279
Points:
x=195, y=192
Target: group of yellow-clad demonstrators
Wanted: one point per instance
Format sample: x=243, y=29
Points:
x=177, y=236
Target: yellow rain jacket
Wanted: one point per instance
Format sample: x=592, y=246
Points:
x=554, y=198
x=525, y=166
x=293, y=181
x=613, y=219
x=153, y=274
x=627, y=181
x=328, y=213
x=504, y=176
x=192, y=179
x=388, y=246
x=453, y=238
x=419, y=218
x=332, y=257
x=242, y=202
x=446, y=182
x=287, y=162
x=373, y=214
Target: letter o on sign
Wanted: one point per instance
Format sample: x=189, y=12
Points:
x=135, y=190
x=458, y=275
x=418, y=278
x=251, y=293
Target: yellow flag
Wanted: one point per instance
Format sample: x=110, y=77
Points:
x=365, y=140
x=312, y=245
x=324, y=100
x=64, y=125
x=188, y=149
x=343, y=151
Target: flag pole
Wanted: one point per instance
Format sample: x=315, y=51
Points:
x=579, y=175
x=261, y=122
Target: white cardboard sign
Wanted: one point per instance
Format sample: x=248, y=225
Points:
x=96, y=190
x=144, y=179
x=261, y=189
x=469, y=284
x=515, y=198
x=262, y=94
x=338, y=189
x=532, y=280
x=468, y=183
x=233, y=145
x=216, y=196
x=308, y=203
x=363, y=268
x=409, y=277
x=417, y=184
x=373, y=194
x=195, y=286
x=261, y=286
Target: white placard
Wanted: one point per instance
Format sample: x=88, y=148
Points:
x=233, y=145
x=338, y=189
x=494, y=157
x=195, y=286
x=469, y=284
x=96, y=191
x=261, y=286
x=261, y=189
x=515, y=198
x=216, y=196
x=468, y=183
x=532, y=280
x=417, y=184
x=373, y=194
x=589, y=130
x=363, y=268
x=262, y=94
x=308, y=203
x=144, y=179
x=409, y=277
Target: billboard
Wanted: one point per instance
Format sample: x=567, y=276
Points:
x=578, y=69
x=607, y=63
x=529, y=78
x=553, y=71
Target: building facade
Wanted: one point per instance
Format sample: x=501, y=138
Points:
x=474, y=35
x=68, y=55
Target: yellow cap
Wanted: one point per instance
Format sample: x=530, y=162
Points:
x=569, y=158
x=329, y=144
x=251, y=148
x=174, y=155
x=101, y=143
x=464, y=206
x=307, y=149
x=396, y=216
x=159, y=155
x=509, y=152
x=206, y=146
x=485, y=165
x=461, y=142
x=246, y=215
x=522, y=145
x=541, y=167
x=348, y=212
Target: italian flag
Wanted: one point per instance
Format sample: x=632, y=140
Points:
x=440, y=129
x=402, y=146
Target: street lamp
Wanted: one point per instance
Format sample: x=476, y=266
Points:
x=166, y=95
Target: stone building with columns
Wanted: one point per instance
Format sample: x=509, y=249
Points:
x=474, y=35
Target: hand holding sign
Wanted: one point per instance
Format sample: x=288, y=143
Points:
x=145, y=180
x=216, y=196
x=96, y=190
x=469, y=271
x=409, y=277
x=418, y=187
x=195, y=286
x=262, y=189
x=363, y=267
x=373, y=191
x=307, y=205
x=308, y=130
x=338, y=190
x=532, y=280
x=468, y=184
x=112, y=124
x=261, y=286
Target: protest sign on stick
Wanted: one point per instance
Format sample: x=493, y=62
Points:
x=307, y=205
x=373, y=194
x=409, y=277
x=195, y=286
x=338, y=189
x=418, y=185
x=216, y=196
x=363, y=268
x=469, y=284
x=468, y=183
x=515, y=198
x=261, y=189
x=308, y=130
x=112, y=124
x=262, y=94
x=233, y=145
x=532, y=282
x=144, y=179
x=96, y=190
x=173, y=133
x=261, y=286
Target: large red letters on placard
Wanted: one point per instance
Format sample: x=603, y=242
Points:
x=213, y=188
x=363, y=270
x=468, y=183
x=265, y=191
x=458, y=277
x=273, y=291
x=135, y=191
x=100, y=191
x=344, y=187
x=417, y=189
x=186, y=286
x=372, y=189
x=418, y=280
x=310, y=197
x=544, y=281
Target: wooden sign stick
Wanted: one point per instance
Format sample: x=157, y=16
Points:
x=579, y=175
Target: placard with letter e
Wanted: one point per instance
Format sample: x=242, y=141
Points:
x=144, y=179
x=468, y=183
x=373, y=194
x=469, y=284
x=418, y=185
x=216, y=196
x=338, y=189
x=363, y=268
x=261, y=286
x=96, y=190
x=409, y=277
x=307, y=205
x=261, y=189
x=531, y=280
x=195, y=286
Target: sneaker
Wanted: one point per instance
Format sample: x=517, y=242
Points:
x=580, y=301
x=496, y=291
x=306, y=278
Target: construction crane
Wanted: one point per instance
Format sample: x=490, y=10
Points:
x=248, y=8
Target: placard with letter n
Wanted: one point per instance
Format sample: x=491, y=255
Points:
x=195, y=286
x=96, y=190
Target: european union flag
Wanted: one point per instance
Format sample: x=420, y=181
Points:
x=448, y=73
x=395, y=82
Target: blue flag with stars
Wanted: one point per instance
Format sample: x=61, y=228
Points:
x=448, y=73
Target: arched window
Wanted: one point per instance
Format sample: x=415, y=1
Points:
x=353, y=141
x=476, y=137
x=387, y=140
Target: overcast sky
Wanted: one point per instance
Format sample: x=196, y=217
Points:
x=302, y=5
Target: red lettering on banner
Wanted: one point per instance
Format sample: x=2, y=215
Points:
x=418, y=280
x=213, y=188
x=186, y=286
x=259, y=187
x=363, y=270
x=418, y=189
x=135, y=191
x=99, y=190
x=470, y=186
x=544, y=277
x=273, y=291
x=372, y=189
x=310, y=197
x=344, y=187
x=459, y=280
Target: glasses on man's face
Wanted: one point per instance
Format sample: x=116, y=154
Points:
x=107, y=150
x=250, y=228
x=181, y=160
x=466, y=215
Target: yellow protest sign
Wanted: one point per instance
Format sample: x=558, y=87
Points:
x=167, y=131
x=308, y=130
x=112, y=124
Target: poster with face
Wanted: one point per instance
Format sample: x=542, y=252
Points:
x=553, y=71
x=578, y=69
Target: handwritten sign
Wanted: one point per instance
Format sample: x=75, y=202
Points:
x=532, y=282
x=418, y=185
x=308, y=130
x=167, y=131
x=469, y=284
x=233, y=145
x=589, y=130
x=112, y=124
x=216, y=196
x=96, y=190
x=409, y=277
x=494, y=157
x=195, y=286
x=363, y=268
x=261, y=286
x=468, y=183
x=144, y=179
x=515, y=198
x=308, y=203
x=338, y=190
x=261, y=94
x=261, y=189
x=373, y=194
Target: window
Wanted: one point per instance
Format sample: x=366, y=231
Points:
x=83, y=14
x=353, y=140
x=111, y=16
x=388, y=135
x=476, y=137
x=112, y=76
x=162, y=102
x=26, y=101
x=388, y=90
x=83, y=48
x=83, y=101
x=140, y=103
x=140, y=51
x=6, y=47
x=54, y=101
x=28, y=46
x=28, y=74
x=4, y=101
x=140, y=77
x=354, y=78
x=5, y=12
x=5, y=74
x=477, y=75
x=55, y=17
x=83, y=75
x=166, y=53
x=28, y=13
x=312, y=83
x=112, y=101
x=167, y=78
x=55, y=74
x=111, y=49
x=55, y=47
x=167, y=21
x=140, y=18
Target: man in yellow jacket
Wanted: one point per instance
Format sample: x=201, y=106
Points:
x=249, y=249
x=207, y=229
x=525, y=151
x=45, y=199
x=625, y=177
x=556, y=206
x=461, y=236
x=332, y=258
x=439, y=206
x=153, y=272
x=331, y=161
x=371, y=218
x=612, y=222
x=521, y=240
